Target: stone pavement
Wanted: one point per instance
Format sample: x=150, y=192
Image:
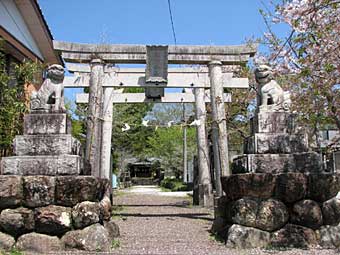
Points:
x=151, y=223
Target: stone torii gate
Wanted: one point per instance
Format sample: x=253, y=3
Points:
x=99, y=75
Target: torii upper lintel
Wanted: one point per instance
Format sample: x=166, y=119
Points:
x=136, y=54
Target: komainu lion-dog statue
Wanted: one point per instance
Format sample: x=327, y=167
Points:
x=271, y=96
x=50, y=96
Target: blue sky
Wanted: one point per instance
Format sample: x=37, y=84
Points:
x=201, y=22
x=147, y=21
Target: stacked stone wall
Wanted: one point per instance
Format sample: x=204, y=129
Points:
x=279, y=210
x=46, y=213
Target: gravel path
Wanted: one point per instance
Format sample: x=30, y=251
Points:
x=155, y=224
x=155, y=190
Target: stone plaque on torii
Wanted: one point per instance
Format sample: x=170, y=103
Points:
x=214, y=72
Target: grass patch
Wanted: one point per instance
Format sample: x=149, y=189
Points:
x=115, y=244
x=13, y=251
x=116, y=212
x=116, y=217
x=165, y=189
x=117, y=208
x=118, y=193
x=216, y=238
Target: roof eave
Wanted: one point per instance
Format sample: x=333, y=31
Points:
x=39, y=29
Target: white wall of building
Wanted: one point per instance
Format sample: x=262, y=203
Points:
x=13, y=22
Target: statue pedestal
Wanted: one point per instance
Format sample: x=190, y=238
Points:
x=273, y=122
x=47, y=123
x=279, y=196
x=277, y=146
x=46, y=148
x=46, y=191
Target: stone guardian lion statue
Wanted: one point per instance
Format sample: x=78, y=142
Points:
x=50, y=96
x=271, y=96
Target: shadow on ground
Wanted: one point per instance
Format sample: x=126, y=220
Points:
x=170, y=215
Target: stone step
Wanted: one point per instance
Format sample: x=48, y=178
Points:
x=55, y=144
x=56, y=123
x=263, y=143
x=41, y=165
x=306, y=162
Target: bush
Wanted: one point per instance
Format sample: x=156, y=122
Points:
x=174, y=184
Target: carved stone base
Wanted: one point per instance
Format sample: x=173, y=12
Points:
x=41, y=165
x=273, y=122
x=48, y=123
x=34, y=145
x=307, y=162
x=262, y=143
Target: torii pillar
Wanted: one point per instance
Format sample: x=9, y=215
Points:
x=94, y=122
x=219, y=127
x=205, y=193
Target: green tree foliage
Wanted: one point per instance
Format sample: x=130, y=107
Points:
x=133, y=142
x=12, y=100
x=167, y=145
x=240, y=108
x=77, y=114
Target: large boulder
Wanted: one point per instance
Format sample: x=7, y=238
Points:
x=331, y=211
x=92, y=238
x=294, y=236
x=242, y=237
x=307, y=213
x=6, y=242
x=271, y=215
x=112, y=228
x=329, y=237
x=53, y=220
x=39, y=243
x=71, y=190
x=291, y=187
x=17, y=221
x=38, y=190
x=86, y=213
x=267, y=215
x=10, y=191
x=322, y=187
x=257, y=185
x=106, y=208
x=243, y=211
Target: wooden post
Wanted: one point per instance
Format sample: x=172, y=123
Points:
x=107, y=134
x=204, y=186
x=220, y=138
x=94, y=124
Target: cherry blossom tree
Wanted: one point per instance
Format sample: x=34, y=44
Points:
x=308, y=58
